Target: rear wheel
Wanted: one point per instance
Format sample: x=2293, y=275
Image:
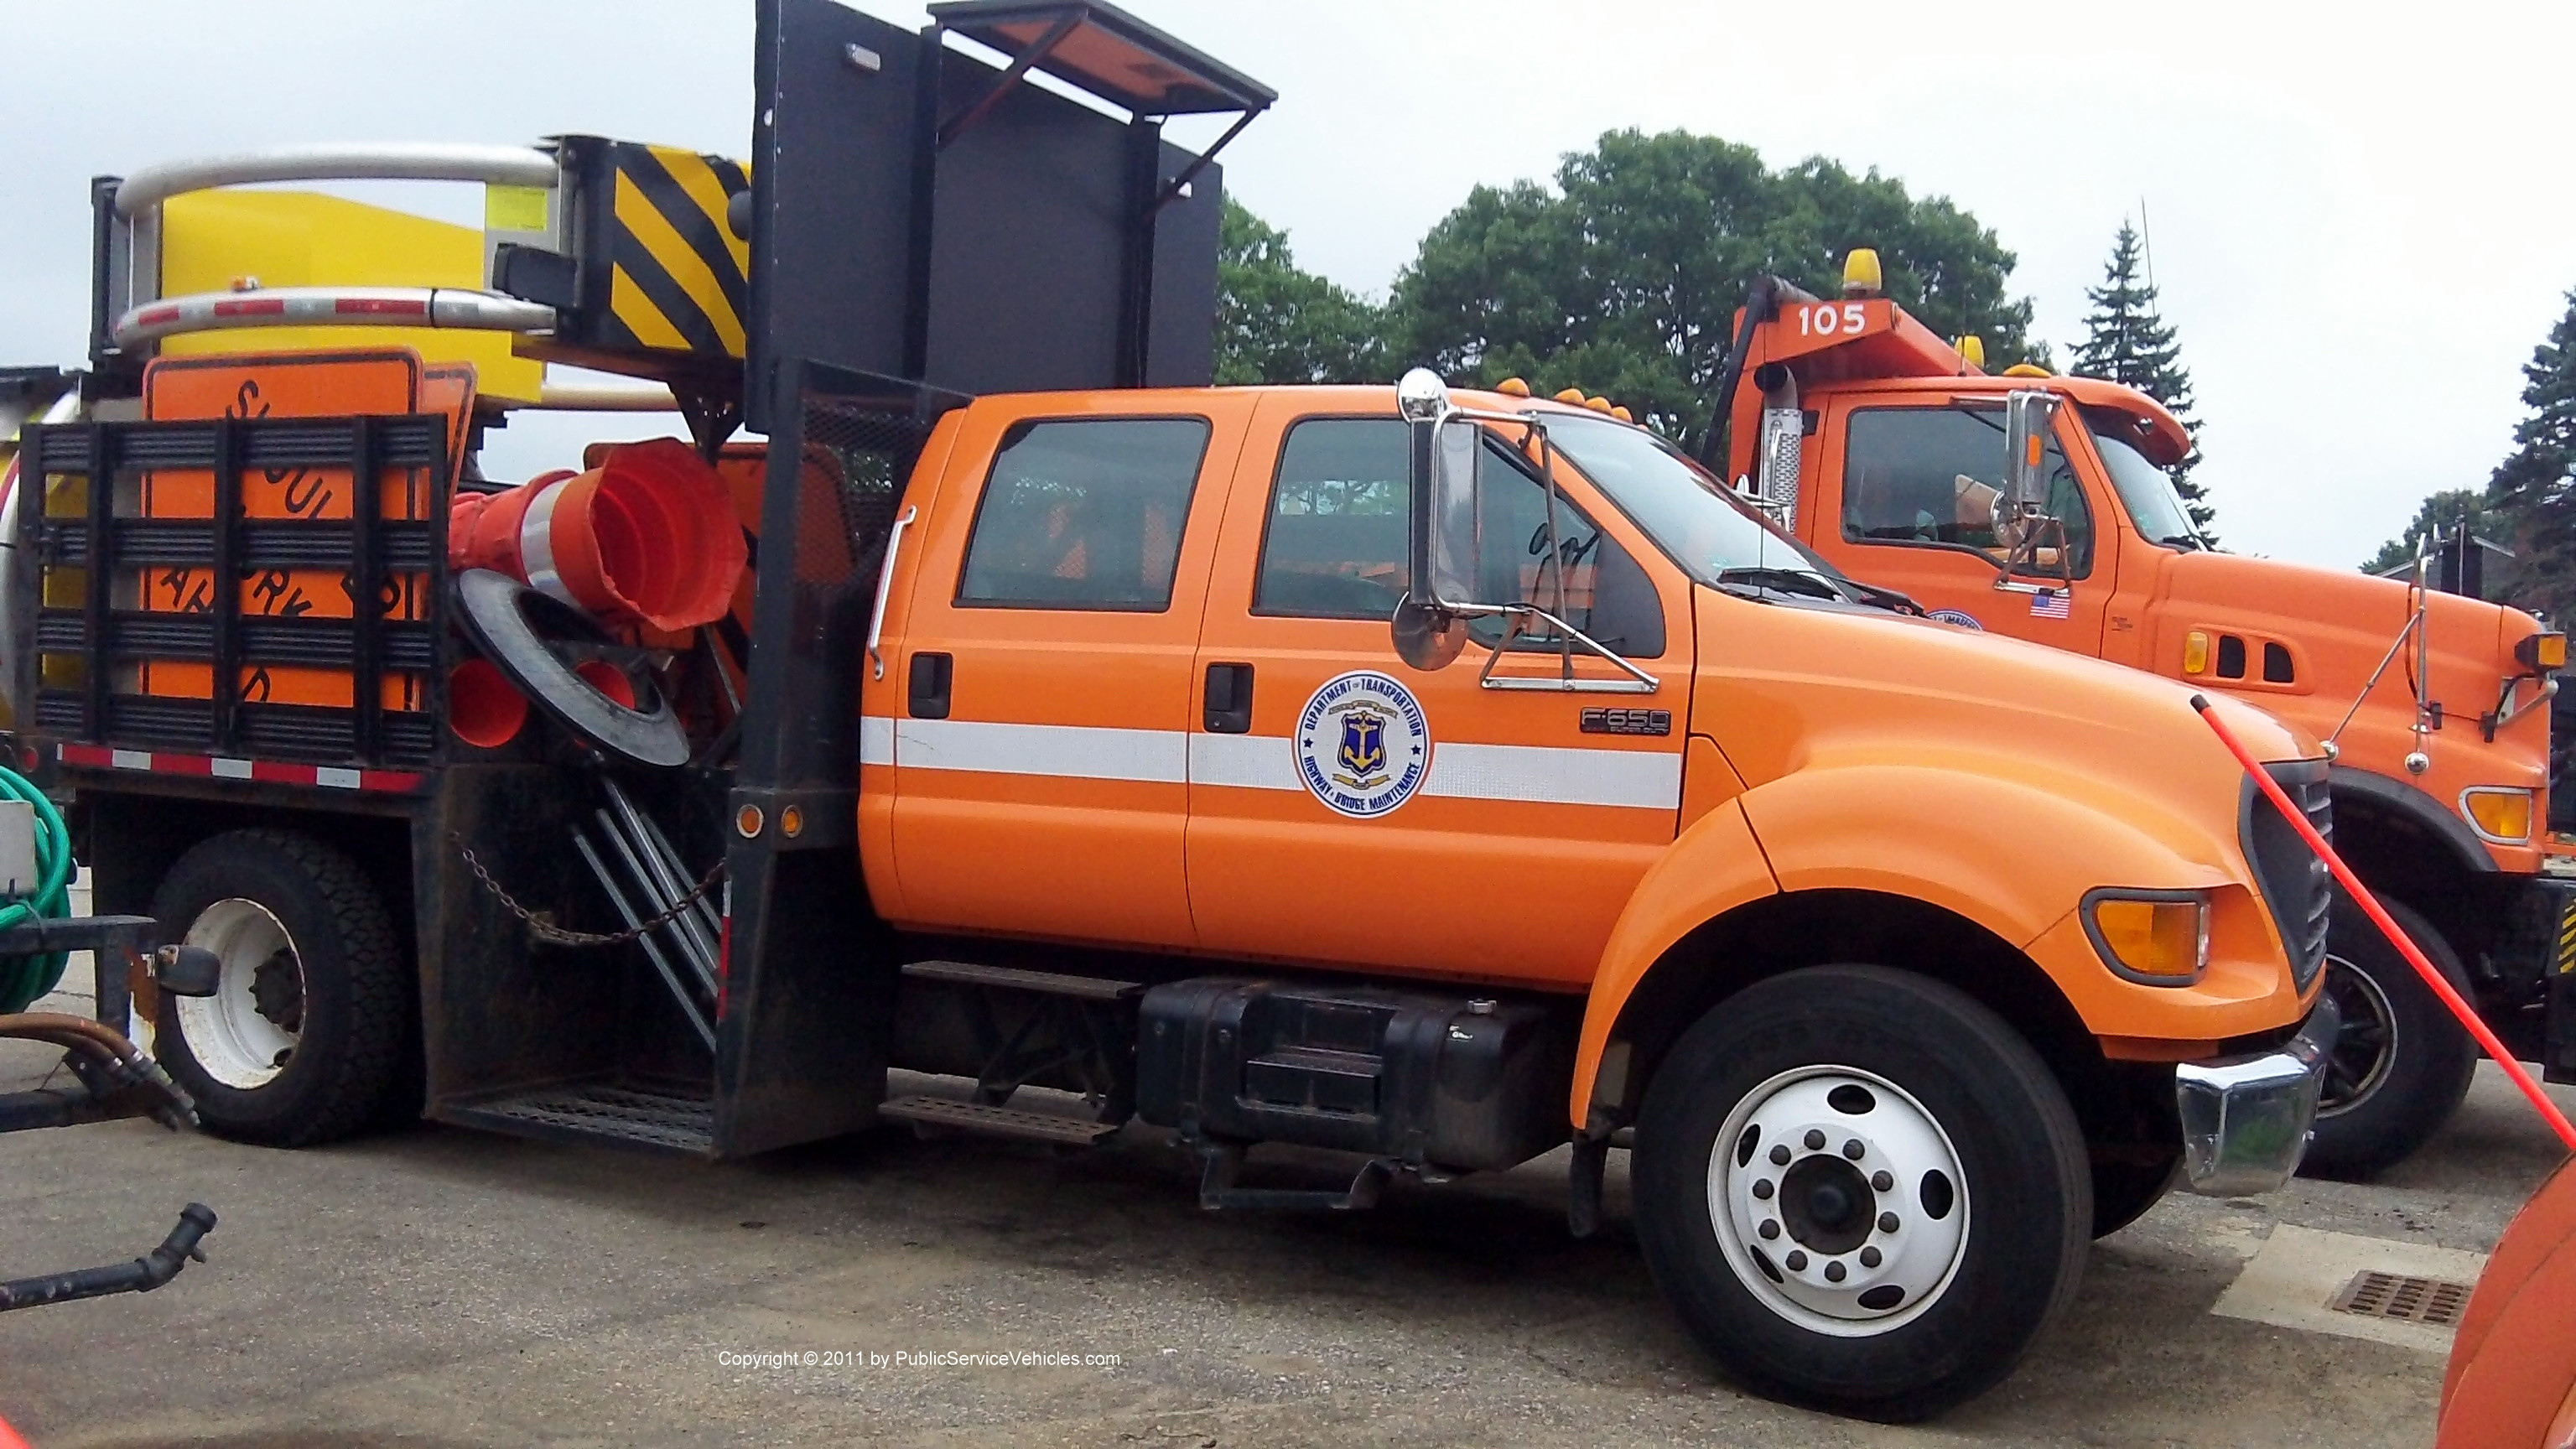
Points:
x=301, y=1042
x=1861, y=1190
x=2401, y=1063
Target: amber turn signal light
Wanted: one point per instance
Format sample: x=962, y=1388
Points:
x=2501, y=815
x=2161, y=937
x=2195, y=652
x=2541, y=653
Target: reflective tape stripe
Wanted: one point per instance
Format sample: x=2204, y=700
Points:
x=1080, y=752
x=172, y=762
x=1250, y=762
x=1531, y=774
x=537, y=542
x=1546, y=774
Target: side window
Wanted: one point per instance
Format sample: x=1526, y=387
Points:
x=1084, y=513
x=1933, y=475
x=1606, y=595
x=1335, y=544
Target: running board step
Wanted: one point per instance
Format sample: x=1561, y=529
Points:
x=947, y=1113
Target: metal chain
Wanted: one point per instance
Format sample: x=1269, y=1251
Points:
x=553, y=935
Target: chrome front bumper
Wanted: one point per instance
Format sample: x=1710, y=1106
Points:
x=2245, y=1119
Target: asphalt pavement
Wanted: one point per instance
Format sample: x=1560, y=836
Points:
x=436, y=1288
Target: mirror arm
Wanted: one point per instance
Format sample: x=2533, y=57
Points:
x=1519, y=617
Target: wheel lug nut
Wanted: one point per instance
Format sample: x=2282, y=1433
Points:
x=1854, y=1150
x=1869, y=1258
x=1762, y=1189
x=1834, y=1271
x=1881, y=1180
x=1815, y=1140
x=1768, y=1230
x=1887, y=1222
x=1780, y=1155
x=1797, y=1261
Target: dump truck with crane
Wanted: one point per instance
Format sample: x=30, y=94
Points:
x=1881, y=446
x=984, y=724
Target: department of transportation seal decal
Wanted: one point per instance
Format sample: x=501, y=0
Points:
x=1362, y=744
x=1954, y=616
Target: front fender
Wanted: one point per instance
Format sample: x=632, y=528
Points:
x=2012, y=854
x=2007, y=854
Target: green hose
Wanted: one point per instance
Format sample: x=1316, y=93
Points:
x=25, y=978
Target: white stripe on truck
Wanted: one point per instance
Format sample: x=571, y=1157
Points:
x=1533, y=774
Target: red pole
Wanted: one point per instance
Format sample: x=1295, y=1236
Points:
x=2370, y=907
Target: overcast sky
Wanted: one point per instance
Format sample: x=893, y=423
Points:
x=2361, y=226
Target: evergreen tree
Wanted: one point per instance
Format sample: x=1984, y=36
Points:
x=2531, y=486
x=2127, y=343
x=2449, y=511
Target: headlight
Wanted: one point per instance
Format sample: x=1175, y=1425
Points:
x=2500, y=815
x=2160, y=938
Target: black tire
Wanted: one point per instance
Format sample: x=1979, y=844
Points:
x=338, y=993
x=2402, y=1063
x=1997, y=1110
x=2123, y=1190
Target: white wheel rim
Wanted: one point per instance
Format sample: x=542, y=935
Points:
x=227, y=1033
x=1859, y=1264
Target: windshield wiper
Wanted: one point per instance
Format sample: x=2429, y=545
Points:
x=2182, y=541
x=1787, y=581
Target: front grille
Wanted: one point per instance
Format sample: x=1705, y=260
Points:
x=2296, y=884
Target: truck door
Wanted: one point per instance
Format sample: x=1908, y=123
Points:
x=1345, y=807
x=1046, y=687
x=1908, y=503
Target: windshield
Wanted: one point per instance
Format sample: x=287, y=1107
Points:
x=1716, y=540
x=2146, y=490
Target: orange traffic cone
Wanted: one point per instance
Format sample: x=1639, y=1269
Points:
x=649, y=536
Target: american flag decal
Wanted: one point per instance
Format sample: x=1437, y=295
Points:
x=2052, y=604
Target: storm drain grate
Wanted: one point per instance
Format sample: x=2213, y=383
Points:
x=2434, y=1301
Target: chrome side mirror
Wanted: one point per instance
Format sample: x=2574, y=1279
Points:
x=2033, y=540
x=2027, y=414
x=1441, y=484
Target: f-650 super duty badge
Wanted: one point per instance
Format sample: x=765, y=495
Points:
x=1627, y=721
x=1362, y=744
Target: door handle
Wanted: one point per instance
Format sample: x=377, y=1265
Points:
x=926, y=687
x=1229, y=699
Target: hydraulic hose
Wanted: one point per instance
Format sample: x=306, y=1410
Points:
x=139, y=1275
x=25, y=978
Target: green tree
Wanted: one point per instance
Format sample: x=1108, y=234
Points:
x=1623, y=277
x=1276, y=322
x=2531, y=487
x=2126, y=342
x=2448, y=511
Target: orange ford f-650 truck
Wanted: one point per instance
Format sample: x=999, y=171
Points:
x=1881, y=447
x=1086, y=748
